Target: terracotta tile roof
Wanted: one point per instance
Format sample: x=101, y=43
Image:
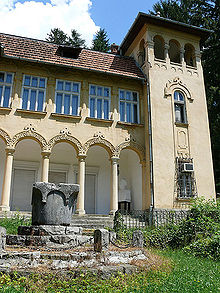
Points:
x=42, y=51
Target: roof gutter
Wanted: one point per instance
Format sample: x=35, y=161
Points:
x=74, y=67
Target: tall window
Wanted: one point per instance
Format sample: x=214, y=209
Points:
x=67, y=97
x=179, y=107
x=6, y=81
x=129, y=106
x=99, y=101
x=33, y=92
x=159, y=47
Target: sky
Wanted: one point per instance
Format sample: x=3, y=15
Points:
x=35, y=18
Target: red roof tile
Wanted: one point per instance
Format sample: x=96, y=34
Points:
x=42, y=51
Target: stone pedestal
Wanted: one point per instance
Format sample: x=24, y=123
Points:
x=101, y=240
x=53, y=204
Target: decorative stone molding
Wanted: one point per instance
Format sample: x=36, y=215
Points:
x=129, y=144
x=99, y=139
x=176, y=84
x=65, y=136
x=29, y=132
x=4, y=135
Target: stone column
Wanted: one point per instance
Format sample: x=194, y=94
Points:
x=114, y=187
x=6, y=188
x=144, y=181
x=182, y=61
x=80, y=210
x=45, y=166
x=166, y=52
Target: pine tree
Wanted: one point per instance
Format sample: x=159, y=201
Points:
x=57, y=36
x=101, y=41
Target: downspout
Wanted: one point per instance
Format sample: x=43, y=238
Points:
x=150, y=145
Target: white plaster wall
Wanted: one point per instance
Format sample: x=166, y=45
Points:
x=98, y=157
x=131, y=170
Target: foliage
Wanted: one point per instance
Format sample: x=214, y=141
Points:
x=11, y=224
x=188, y=274
x=201, y=227
x=57, y=36
x=101, y=41
x=203, y=13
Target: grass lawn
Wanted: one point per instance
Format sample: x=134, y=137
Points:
x=185, y=274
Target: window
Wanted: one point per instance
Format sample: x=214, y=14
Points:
x=99, y=101
x=159, y=47
x=67, y=97
x=129, y=106
x=33, y=93
x=189, y=55
x=6, y=81
x=179, y=107
x=186, y=185
x=174, y=51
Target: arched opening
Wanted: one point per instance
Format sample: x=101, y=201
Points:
x=130, y=179
x=159, y=47
x=2, y=162
x=97, y=181
x=63, y=164
x=189, y=55
x=174, y=51
x=141, y=54
x=26, y=171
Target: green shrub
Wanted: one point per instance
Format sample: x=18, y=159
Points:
x=11, y=224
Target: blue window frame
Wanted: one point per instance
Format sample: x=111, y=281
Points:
x=67, y=97
x=6, y=82
x=129, y=106
x=33, y=93
x=99, y=101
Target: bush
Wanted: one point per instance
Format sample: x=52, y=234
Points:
x=11, y=224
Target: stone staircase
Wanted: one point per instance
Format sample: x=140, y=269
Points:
x=92, y=221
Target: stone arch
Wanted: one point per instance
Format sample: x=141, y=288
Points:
x=29, y=134
x=189, y=55
x=174, y=51
x=177, y=85
x=5, y=136
x=65, y=138
x=141, y=53
x=132, y=146
x=100, y=142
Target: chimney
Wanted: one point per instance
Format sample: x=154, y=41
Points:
x=114, y=48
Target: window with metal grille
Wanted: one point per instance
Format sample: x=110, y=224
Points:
x=6, y=82
x=33, y=93
x=129, y=106
x=67, y=97
x=185, y=181
x=99, y=101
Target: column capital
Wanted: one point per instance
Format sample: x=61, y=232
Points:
x=114, y=159
x=9, y=151
x=82, y=157
x=143, y=163
x=149, y=44
x=45, y=154
x=166, y=46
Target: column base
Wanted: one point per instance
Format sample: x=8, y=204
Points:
x=4, y=208
x=80, y=212
x=112, y=212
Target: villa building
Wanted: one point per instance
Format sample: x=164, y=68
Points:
x=137, y=115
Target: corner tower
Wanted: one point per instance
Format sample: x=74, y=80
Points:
x=168, y=52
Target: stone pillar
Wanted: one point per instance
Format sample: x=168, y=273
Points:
x=6, y=188
x=101, y=240
x=166, y=52
x=81, y=180
x=45, y=166
x=114, y=187
x=137, y=239
x=182, y=60
x=149, y=51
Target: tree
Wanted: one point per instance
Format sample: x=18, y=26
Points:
x=101, y=41
x=57, y=36
x=206, y=14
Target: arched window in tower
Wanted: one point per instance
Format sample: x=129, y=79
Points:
x=141, y=54
x=179, y=107
x=189, y=55
x=159, y=47
x=174, y=51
